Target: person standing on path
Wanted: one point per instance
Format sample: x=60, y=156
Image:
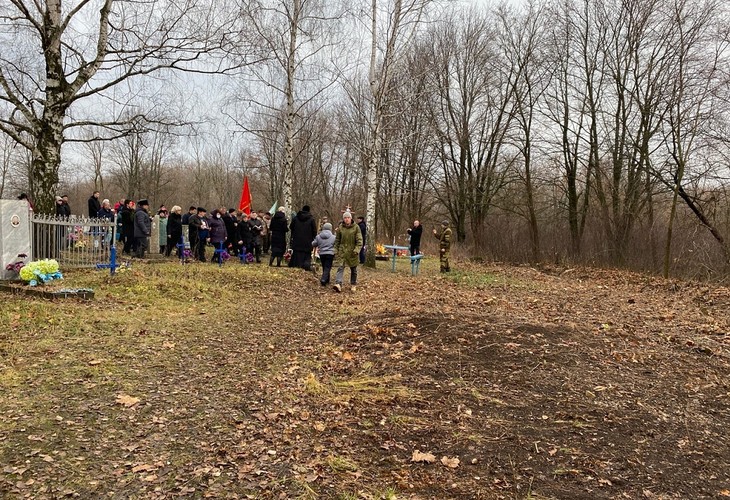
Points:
x=303, y=230
x=348, y=243
x=325, y=242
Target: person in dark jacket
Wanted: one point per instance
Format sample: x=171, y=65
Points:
x=278, y=229
x=128, y=227
x=257, y=235
x=66, y=206
x=231, y=222
x=94, y=205
x=62, y=207
x=199, y=225
x=415, y=234
x=174, y=231
x=106, y=213
x=363, y=229
x=244, y=233
x=142, y=227
x=303, y=230
x=217, y=234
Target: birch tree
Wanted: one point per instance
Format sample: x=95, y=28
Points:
x=393, y=26
x=299, y=37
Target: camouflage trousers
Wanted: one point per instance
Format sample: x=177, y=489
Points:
x=445, y=262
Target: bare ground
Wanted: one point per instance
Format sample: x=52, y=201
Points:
x=251, y=382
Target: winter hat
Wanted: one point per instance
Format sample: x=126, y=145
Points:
x=445, y=223
x=305, y=208
x=347, y=214
x=327, y=226
x=143, y=202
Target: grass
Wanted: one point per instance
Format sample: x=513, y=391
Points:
x=361, y=388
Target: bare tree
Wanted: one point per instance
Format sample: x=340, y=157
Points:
x=401, y=19
x=95, y=151
x=697, y=79
x=52, y=59
x=524, y=37
x=474, y=78
x=407, y=162
x=299, y=37
x=572, y=103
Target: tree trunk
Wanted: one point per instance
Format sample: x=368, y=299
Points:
x=46, y=162
x=289, y=125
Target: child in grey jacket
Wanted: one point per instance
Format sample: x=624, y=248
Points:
x=325, y=241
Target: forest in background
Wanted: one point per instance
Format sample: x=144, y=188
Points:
x=577, y=131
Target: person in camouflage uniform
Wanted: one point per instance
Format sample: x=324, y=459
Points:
x=444, y=238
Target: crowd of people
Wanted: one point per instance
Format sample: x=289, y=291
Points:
x=251, y=235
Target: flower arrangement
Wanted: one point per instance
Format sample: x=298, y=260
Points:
x=16, y=266
x=245, y=257
x=380, y=249
x=40, y=272
x=287, y=254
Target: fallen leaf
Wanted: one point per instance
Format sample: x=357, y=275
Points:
x=423, y=457
x=95, y=362
x=347, y=356
x=143, y=468
x=168, y=345
x=126, y=400
x=725, y=493
x=451, y=463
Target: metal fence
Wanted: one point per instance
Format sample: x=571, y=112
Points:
x=73, y=241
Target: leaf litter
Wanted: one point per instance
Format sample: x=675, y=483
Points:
x=572, y=383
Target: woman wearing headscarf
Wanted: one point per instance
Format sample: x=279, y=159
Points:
x=174, y=231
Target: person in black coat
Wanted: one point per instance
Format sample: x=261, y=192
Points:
x=257, y=235
x=63, y=209
x=128, y=227
x=303, y=231
x=244, y=234
x=94, y=205
x=278, y=229
x=142, y=228
x=198, y=231
x=415, y=234
x=174, y=231
x=231, y=222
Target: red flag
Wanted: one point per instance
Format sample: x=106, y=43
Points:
x=245, y=204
